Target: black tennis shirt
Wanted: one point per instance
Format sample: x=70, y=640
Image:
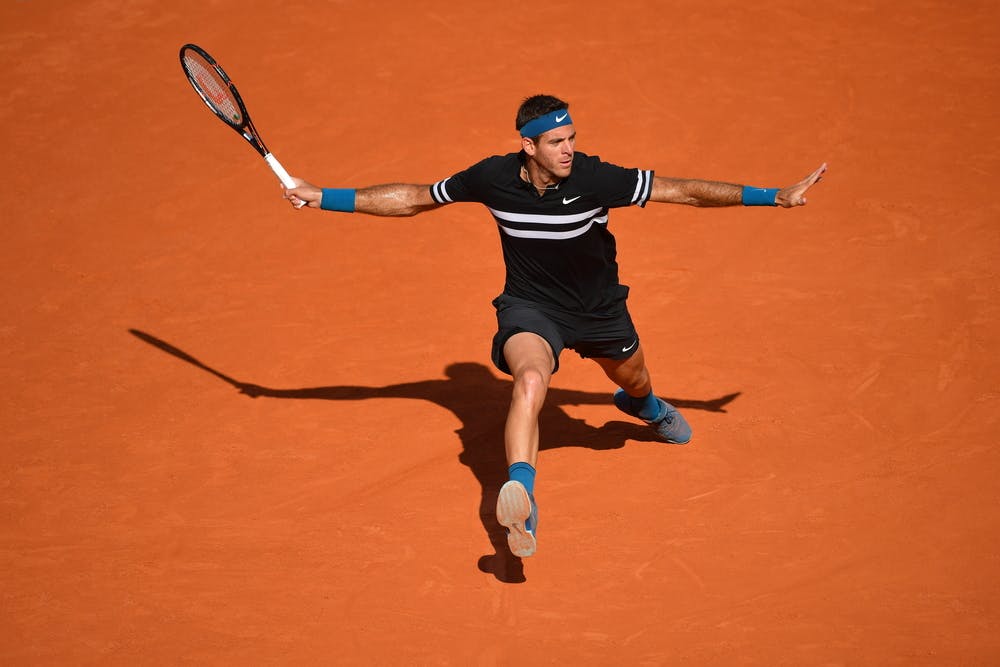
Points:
x=557, y=249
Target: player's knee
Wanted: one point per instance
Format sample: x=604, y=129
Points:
x=638, y=382
x=635, y=381
x=530, y=385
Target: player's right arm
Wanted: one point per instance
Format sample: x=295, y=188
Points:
x=389, y=199
x=400, y=199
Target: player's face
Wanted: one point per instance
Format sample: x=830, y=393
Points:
x=553, y=152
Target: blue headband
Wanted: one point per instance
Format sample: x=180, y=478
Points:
x=547, y=122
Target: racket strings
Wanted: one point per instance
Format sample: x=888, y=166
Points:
x=215, y=91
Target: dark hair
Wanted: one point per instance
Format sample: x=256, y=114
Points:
x=537, y=106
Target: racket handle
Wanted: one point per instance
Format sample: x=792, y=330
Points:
x=279, y=171
x=282, y=175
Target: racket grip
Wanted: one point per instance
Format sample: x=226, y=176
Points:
x=279, y=171
x=282, y=175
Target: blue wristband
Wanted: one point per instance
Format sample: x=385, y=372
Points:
x=337, y=199
x=759, y=196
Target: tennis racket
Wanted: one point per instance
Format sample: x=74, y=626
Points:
x=217, y=91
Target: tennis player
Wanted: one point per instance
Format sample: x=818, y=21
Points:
x=551, y=203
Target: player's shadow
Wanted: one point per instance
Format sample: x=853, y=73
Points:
x=479, y=400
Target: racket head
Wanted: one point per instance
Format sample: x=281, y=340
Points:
x=214, y=87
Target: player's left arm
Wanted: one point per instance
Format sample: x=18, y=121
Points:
x=697, y=192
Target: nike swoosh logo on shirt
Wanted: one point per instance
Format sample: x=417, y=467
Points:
x=570, y=200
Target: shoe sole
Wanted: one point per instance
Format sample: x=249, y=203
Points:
x=513, y=509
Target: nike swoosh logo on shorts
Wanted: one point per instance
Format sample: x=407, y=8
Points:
x=561, y=118
x=570, y=200
x=626, y=349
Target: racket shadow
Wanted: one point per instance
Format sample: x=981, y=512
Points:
x=479, y=400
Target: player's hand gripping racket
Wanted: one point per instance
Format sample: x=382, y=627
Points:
x=220, y=94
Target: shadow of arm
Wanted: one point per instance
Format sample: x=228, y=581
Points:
x=573, y=397
x=336, y=393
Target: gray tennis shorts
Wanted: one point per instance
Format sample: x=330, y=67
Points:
x=609, y=335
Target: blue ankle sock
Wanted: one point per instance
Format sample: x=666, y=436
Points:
x=523, y=473
x=647, y=407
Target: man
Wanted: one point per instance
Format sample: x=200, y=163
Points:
x=551, y=206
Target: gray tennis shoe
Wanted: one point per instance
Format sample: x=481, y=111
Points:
x=670, y=425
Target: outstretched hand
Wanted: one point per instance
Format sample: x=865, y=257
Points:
x=794, y=195
x=304, y=194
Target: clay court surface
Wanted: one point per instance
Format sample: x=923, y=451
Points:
x=235, y=433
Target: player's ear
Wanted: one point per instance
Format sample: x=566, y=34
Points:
x=528, y=146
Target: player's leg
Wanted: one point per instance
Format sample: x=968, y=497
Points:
x=630, y=374
x=531, y=363
x=636, y=397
